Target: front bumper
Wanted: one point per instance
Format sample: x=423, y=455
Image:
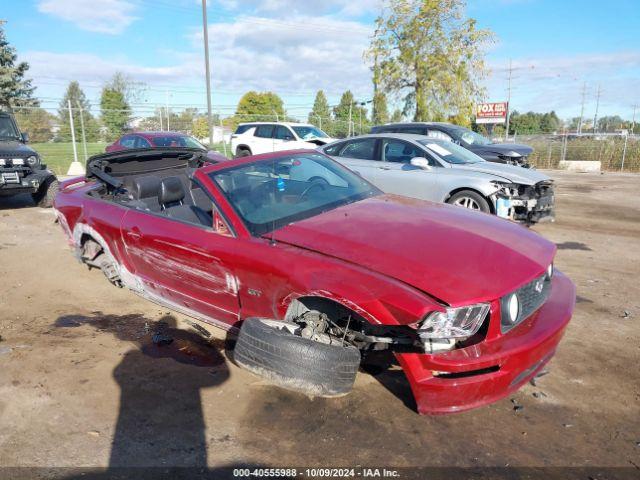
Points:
x=529, y=210
x=21, y=180
x=483, y=373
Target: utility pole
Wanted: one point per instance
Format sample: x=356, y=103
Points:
x=205, y=29
x=506, y=130
x=595, y=117
x=633, y=120
x=584, y=93
x=350, y=112
x=167, y=108
x=73, y=133
x=84, y=137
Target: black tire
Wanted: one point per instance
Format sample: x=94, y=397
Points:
x=243, y=153
x=472, y=197
x=296, y=363
x=46, y=193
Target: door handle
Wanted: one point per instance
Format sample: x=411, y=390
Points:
x=384, y=168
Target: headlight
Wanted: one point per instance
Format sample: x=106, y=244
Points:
x=512, y=154
x=2, y=161
x=459, y=322
x=507, y=189
x=32, y=160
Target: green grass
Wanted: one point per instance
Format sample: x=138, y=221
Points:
x=58, y=156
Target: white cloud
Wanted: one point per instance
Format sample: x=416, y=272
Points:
x=301, y=53
x=102, y=16
x=339, y=8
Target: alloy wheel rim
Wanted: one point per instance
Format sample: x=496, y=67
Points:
x=467, y=202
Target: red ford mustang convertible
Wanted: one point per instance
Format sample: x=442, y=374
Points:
x=315, y=267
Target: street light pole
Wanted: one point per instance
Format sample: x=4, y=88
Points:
x=207, y=71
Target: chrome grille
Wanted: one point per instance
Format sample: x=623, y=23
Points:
x=531, y=296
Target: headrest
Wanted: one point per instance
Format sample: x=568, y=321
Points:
x=171, y=191
x=145, y=187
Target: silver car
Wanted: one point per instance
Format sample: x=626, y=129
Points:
x=441, y=171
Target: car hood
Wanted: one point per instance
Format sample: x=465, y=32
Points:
x=505, y=148
x=511, y=173
x=455, y=255
x=319, y=142
x=15, y=148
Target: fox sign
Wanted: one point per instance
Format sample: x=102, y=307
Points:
x=492, y=112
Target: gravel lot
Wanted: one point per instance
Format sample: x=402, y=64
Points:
x=83, y=385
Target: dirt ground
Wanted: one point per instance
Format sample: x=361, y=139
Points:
x=83, y=385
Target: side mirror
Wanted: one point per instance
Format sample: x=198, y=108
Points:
x=421, y=162
x=25, y=137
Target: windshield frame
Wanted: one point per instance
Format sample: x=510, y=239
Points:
x=460, y=132
x=455, y=149
x=264, y=229
x=310, y=127
x=14, y=127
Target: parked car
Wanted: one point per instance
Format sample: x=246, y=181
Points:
x=509, y=153
x=315, y=274
x=21, y=168
x=441, y=171
x=162, y=140
x=266, y=137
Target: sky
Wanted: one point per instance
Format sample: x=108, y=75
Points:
x=296, y=47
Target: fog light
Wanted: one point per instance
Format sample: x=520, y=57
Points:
x=513, y=308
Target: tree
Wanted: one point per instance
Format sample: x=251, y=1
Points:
x=380, y=111
x=114, y=105
x=79, y=104
x=320, y=114
x=263, y=106
x=397, y=116
x=15, y=89
x=343, y=113
x=426, y=52
x=550, y=123
x=37, y=122
x=201, y=128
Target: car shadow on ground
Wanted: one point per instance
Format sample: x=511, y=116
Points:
x=160, y=422
x=384, y=367
x=15, y=202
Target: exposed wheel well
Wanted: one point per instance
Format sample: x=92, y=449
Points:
x=457, y=190
x=333, y=309
x=241, y=148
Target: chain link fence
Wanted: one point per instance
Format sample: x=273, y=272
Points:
x=616, y=152
x=51, y=134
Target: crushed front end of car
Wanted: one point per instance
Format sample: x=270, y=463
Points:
x=495, y=348
x=528, y=204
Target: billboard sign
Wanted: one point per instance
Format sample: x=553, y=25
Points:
x=492, y=112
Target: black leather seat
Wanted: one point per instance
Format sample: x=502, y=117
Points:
x=171, y=197
x=145, y=190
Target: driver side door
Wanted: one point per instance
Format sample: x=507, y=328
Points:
x=398, y=176
x=185, y=264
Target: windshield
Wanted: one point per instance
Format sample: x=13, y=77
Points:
x=309, y=132
x=472, y=138
x=8, y=128
x=177, y=141
x=270, y=194
x=450, y=152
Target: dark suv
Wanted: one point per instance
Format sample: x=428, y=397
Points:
x=21, y=169
x=509, y=153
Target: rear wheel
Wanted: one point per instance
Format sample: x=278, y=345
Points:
x=243, y=153
x=46, y=193
x=471, y=200
x=297, y=358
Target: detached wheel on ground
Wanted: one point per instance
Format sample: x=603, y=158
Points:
x=46, y=193
x=275, y=351
x=471, y=200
